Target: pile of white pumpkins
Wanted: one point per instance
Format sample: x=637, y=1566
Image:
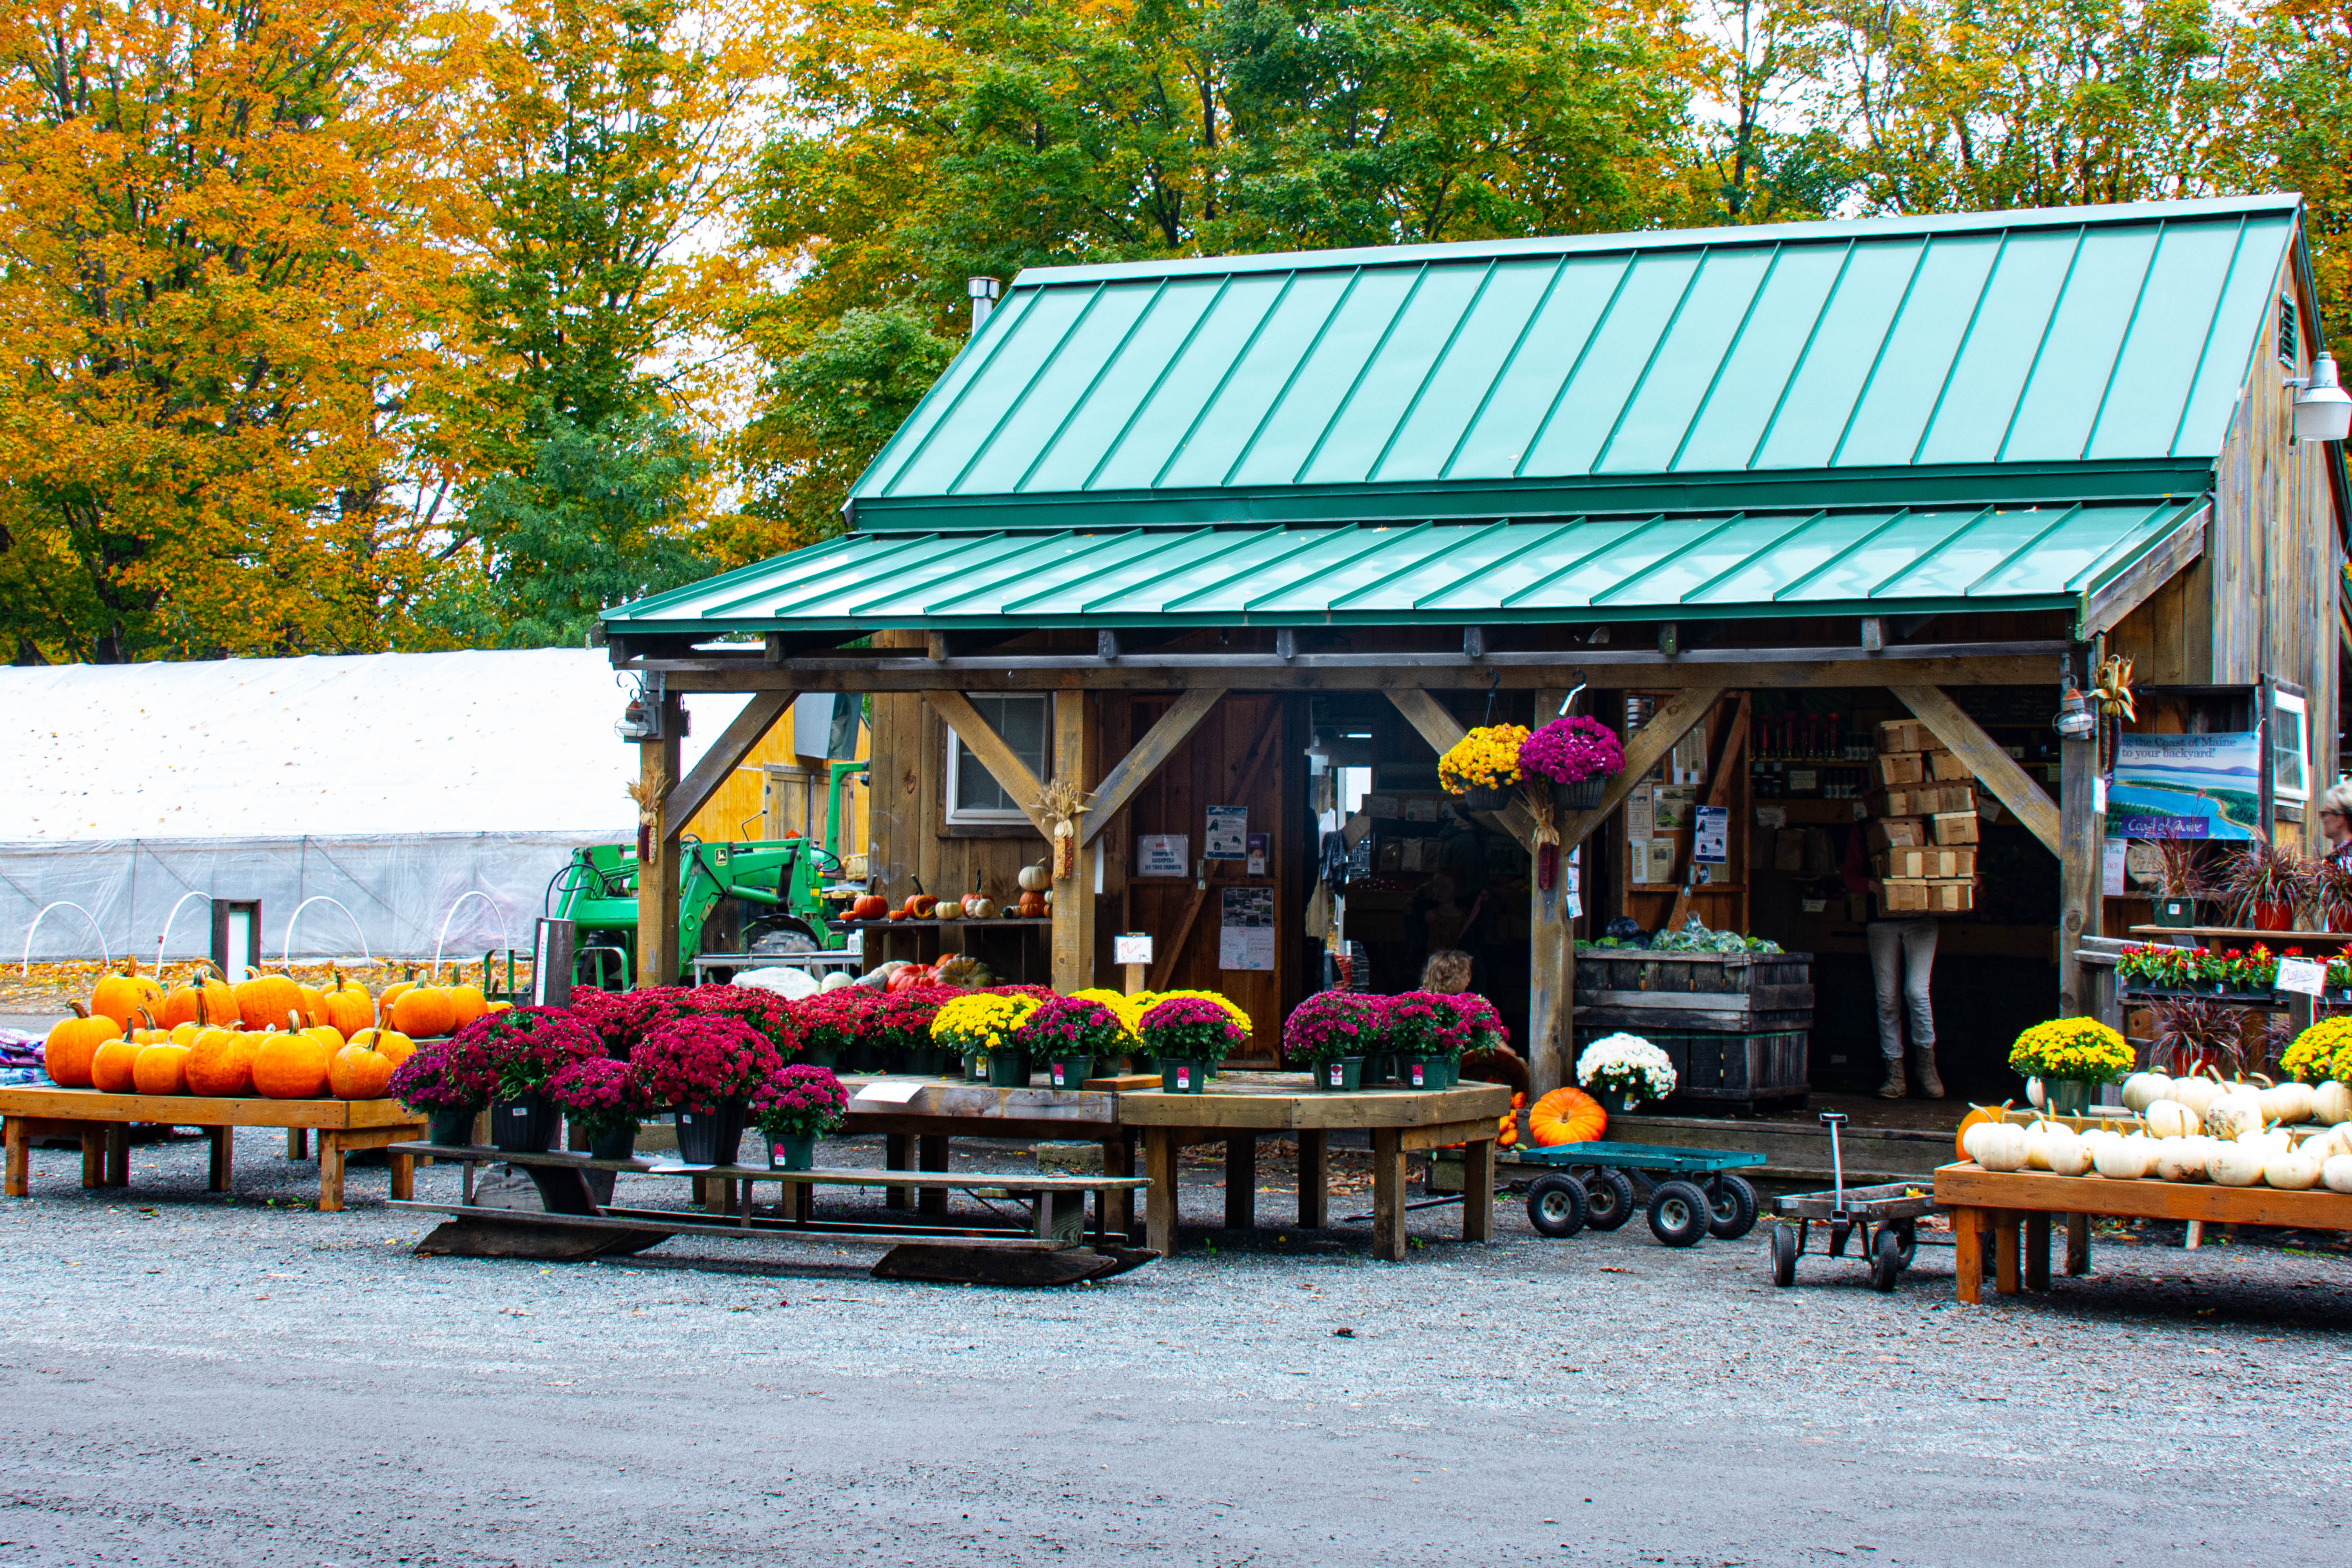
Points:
x=2294, y=1136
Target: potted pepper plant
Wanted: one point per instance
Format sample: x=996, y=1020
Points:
x=425, y=1082
x=705, y=1069
x=1622, y=1070
x=511, y=1056
x=795, y=1109
x=1071, y=1033
x=1326, y=1035
x=604, y=1098
x=1484, y=765
x=1189, y=1035
x=1575, y=757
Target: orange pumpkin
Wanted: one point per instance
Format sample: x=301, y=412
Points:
x=203, y=1000
x=466, y=1003
x=502, y=1007
x=263, y=1001
x=291, y=1066
x=424, y=1012
x=358, y=1073
x=349, y=1007
x=110, y=1068
x=391, y=1044
x=314, y=1003
x=161, y=1070
x=1976, y=1113
x=121, y=996
x=73, y=1042
x=220, y=1062
x=1566, y=1116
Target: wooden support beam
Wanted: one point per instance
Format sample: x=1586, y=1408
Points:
x=1648, y=748
x=1994, y=768
x=988, y=748
x=1135, y=770
x=1442, y=730
x=2081, y=832
x=1551, y=961
x=658, y=960
x=1728, y=754
x=725, y=754
x=2108, y=603
x=1163, y=963
x=1073, y=894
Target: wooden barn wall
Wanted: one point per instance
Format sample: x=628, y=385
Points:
x=739, y=810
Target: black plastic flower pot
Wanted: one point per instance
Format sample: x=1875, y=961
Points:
x=1339, y=1074
x=1008, y=1069
x=710, y=1137
x=787, y=1153
x=453, y=1129
x=1486, y=797
x=926, y=1061
x=826, y=1057
x=525, y=1126
x=1069, y=1072
x=1582, y=795
x=620, y=1143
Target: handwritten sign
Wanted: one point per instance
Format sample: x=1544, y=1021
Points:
x=2306, y=976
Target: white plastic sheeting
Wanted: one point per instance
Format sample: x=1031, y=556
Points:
x=393, y=784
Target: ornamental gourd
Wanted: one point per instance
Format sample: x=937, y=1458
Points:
x=264, y=1000
x=2335, y=1171
x=2288, y=1102
x=2233, y=1114
x=110, y=1068
x=72, y=1043
x=424, y=1012
x=1978, y=1116
x=359, y=1072
x=291, y=1066
x=2196, y=1093
x=161, y=1070
x=2065, y=1154
x=1036, y=878
x=1566, y=1115
x=121, y=997
x=220, y=1063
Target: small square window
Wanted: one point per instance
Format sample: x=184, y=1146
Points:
x=1021, y=722
x=2290, y=747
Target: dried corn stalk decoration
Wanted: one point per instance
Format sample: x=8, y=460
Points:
x=1547, y=837
x=648, y=825
x=1061, y=801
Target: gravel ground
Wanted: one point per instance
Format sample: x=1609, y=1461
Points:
x=195, y=1379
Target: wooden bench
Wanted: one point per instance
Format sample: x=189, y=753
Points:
x=577, y=1221
x=102, y=1122
x=2015, y=1209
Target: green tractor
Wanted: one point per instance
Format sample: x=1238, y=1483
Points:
x=766, y=895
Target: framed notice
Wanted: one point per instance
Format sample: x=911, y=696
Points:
x=1245, y=927
x=1228, y=833
x=1161, y=855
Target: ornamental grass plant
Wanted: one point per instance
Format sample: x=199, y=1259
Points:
x=703, y=1063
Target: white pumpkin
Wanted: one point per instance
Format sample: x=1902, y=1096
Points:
x=2125, y=1158
x=2236, y=1165
x=2172, y=1119
x=2067, y=1153
x=2288, y=1102
x=1972, y=1137
x=2331, y=1102
x=2336, y=1172
x=2144, y=1089
x=1036, y=878
x=2233, y=1114
x=2270, y=1141
x=2038, y=1139
x=2183, y=1159
x=2195, y=1093
x=2033, y=1094
x=2292, y=1170
x=837, y=979
x=2002, y=1146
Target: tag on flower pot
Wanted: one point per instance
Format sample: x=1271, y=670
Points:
x=2307, y=977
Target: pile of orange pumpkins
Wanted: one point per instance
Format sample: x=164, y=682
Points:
x=267, y=1034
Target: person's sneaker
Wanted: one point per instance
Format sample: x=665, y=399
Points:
x=1923, y=1068
x=1893, y=1088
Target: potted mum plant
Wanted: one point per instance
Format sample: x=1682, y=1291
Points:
x=833, y=1024
x=1071, y=1033
x=1326, y=1034
x=1576, y=757
x=898, y=1025
x=796, y=1108
x=604, y=1098
x=766, y=1012
x=985, y=1028
x=1189, y=1035
x=425, y=1082
x=2069, y=1055
x=1622, y=1070
x=511, y=1056
x=1484, y=765
x=705, y=1069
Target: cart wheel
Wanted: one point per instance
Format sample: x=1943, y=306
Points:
x=1608, y=1199
x=1906, y=1232
x=1784, y=1255
x=1886, y=1260
x=1678, y=1213
x=1556, y=1205
x=1733, y=1205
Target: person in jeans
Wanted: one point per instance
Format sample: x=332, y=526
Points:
x=1902, y=965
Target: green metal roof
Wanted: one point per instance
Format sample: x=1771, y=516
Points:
x=2081, y=352
x=1883, y=562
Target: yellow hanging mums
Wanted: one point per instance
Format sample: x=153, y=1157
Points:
x=1487, y=757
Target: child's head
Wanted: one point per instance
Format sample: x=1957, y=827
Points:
x=1446, y=972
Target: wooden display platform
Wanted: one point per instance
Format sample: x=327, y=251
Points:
x=102, y=1122
x=1245, y=1105
x=2003, y=1203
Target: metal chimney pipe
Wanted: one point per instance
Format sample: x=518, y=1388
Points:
x=983, y=292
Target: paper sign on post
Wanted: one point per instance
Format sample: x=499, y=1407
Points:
x=1126, y=949
x=1161, y=855
x=1260, y=844
x=1228, y=836
x=2306, y=976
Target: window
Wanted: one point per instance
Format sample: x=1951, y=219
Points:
x=2290, y=747
x=974, y=797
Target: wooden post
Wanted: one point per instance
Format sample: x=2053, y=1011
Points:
x=224, y=1156
x=2037, y=1250
x=1159, y=1209
x=2078, y=1244
x=2082, y=847
x=1241, y=1181
x=2006, y=1223
x=1968, y=1254
x=20, y=1158
x=1073, y=894
x=1551, y=961
x=898, y=1153
x=931, y=1155
x=331, y=1171
x=1314, y=1179
x=1117, y=1218
x=1478, y=1190
x=1388, y=1193
x=659, y=959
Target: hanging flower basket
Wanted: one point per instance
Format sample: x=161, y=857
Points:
x=1485, y=797
x=1584, y=795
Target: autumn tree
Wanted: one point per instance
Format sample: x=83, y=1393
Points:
x=216, y=270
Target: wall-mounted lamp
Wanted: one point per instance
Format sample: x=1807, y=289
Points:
x=2323, y=411
x=2075, y=722
x=641, y=721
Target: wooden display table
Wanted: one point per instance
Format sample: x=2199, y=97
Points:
x=1243, y=1105
x=102, y=1122
x=2004, y=1202
x=917, y=1116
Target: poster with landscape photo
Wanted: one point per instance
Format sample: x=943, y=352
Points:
x=2185, y=786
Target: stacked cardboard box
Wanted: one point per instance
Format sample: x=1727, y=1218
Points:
x=1923, y=811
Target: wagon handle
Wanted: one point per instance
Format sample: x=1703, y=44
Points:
x=1834, y=1120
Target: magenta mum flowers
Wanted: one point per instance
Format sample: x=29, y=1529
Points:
x=1570, y=751
x=802, y=1101
x=702, y=1064
x=1330, y=1025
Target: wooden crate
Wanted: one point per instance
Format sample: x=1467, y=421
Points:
x=1903, y=896
x=1897, y=832
x=1899, y=767
x=1714, y=993
x=1931, y=862
x=1714, y=1070
x=1953, y=828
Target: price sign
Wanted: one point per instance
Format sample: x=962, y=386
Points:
x=1126, y=948
x=2306, y=976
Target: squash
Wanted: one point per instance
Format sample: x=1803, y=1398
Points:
x=2125, y=1158
x=220, y=1062
x=391, y=1044
x=466, y=1003
x=2336, y=1172
x=2144, y=1089
x=110, y=1068
x=918, y=906
x=1031, y=907
x=2234, y=1113
x=2331, y=1102
x=203, y=1000
x=2293, y=1171
x=424, y=1012
x=2236, y=1164
x=122, y=995
x=2000, y=1146
x=264, y=1000
x=2195, y=1093
x=1036, y=878
x=72, y=1042
x=161, y=1070
x=313, y=1006
x=2064, y=1152
x=869, y=907
x=2287, y=1101
x=359, y=1072
x=347, y=1006
x=2183, y=1159
x=979, y=907
x=291, y=1066
x=1566, y=1115
x=2171, y=1119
